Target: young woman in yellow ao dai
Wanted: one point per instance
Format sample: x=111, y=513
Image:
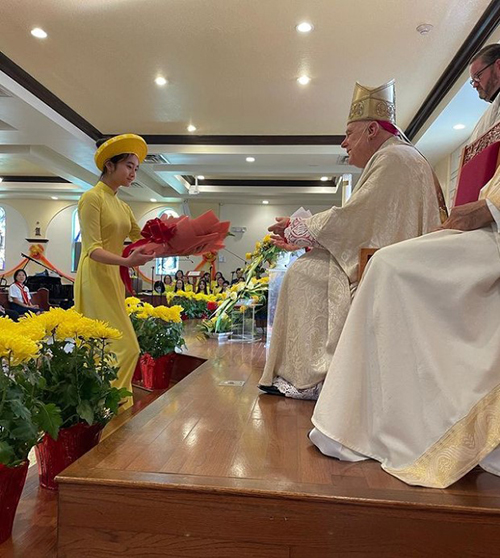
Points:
x=105, y=223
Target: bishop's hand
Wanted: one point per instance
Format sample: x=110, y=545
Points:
x=468, y=217
x=279, y=227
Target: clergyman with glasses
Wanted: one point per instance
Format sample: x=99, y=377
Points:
x=485, y=78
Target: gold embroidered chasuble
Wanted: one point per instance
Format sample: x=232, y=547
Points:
x=394, y=200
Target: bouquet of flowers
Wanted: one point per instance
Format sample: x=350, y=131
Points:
x=179, y=236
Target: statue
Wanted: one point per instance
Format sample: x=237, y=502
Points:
x=37, y=229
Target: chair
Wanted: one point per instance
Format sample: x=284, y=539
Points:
x=478, y=164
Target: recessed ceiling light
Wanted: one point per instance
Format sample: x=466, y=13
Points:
x=459, y=126
x=191, y=128
x=250, y=159
x=153, y=200
x=304, y=80
x=304, y=27
x=425, y=28
x=160, y=80
x=200, y=177
x=324, y=178
x=39, y=33
x=265, y=202
x=54, y=198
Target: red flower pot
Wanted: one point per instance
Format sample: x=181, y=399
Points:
x=53, y=456
x=137, y=377
x=156, y=372
x=12, y=481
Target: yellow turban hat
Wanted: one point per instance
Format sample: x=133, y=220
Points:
x=126, y=143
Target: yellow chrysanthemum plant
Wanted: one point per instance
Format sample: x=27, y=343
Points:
x=159, y=329
x=254, y=287
x=77, y=366
x=24, y=416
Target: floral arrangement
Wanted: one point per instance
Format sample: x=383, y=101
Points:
x=254, y=287
x=76, y=365
x=23, y=416
x=195, y=305
x=159, y=329
x=56, y=372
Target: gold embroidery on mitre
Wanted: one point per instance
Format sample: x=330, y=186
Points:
x=374, y=103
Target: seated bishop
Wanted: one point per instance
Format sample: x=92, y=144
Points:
x=396, y=198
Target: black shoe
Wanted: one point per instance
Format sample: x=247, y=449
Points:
x=271, y=390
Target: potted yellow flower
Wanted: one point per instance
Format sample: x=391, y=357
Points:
x=23, y=416
x=77, y=369
x=159, y=332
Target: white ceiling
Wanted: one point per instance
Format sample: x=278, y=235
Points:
x=232, y=67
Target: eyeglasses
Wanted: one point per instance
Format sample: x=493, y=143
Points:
x=477, y=76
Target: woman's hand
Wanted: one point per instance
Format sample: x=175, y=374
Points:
x=139, y=256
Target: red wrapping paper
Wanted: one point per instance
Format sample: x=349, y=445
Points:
x=178, y=236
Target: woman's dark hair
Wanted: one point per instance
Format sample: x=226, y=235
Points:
x=115, y=160
x=205, y=287
x=165, y=279
x=18, y=272
x=177, y=288
x=159, y=287
x=177, y=273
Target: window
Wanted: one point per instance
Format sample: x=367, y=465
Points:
x=76, y=241
x=2, y=238
x=167, y=266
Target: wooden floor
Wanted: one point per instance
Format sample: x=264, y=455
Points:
x=216, y=471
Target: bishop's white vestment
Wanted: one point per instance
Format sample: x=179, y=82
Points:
x=415, y=380
x=394, y=200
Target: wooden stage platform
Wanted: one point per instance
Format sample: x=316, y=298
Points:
x=211, y=470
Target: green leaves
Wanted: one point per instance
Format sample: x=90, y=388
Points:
x=48, y=417
x=86, y=412
x=158, y=337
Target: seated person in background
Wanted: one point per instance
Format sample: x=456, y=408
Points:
x=395, y=199
x=7, y=312
x=191, y=284
x=206, y=277
x=226, y=285
x=169, y=284
x=214, y=283
x=19, y=295
x=219, y=286
x=239, y=276
x=202, y=287
x=179, y=275
x=179, y=285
